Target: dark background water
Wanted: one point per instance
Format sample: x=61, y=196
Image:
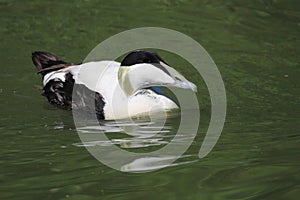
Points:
x=255, y=45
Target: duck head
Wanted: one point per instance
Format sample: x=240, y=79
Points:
x=143, y=69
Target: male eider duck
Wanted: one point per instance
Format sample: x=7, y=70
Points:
x=118, y=90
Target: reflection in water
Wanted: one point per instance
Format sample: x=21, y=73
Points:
x=139, y=134
x=152, y=163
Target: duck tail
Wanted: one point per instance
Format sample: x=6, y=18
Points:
x=46, y=62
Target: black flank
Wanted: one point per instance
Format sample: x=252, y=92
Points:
x=60, y=93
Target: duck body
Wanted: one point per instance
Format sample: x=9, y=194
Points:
x=102, y=78
x=111, y=89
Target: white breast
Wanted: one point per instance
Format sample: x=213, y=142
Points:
x=148, y=101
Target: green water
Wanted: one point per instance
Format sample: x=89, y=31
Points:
x=255, y=45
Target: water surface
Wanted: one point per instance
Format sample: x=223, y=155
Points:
x=255, y=45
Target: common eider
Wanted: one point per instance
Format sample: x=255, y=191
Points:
x=111, y=89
